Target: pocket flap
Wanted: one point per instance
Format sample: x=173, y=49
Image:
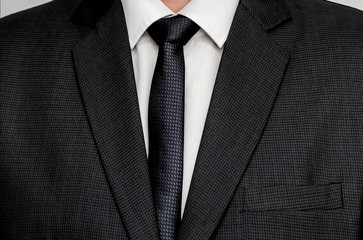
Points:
x=290, y=197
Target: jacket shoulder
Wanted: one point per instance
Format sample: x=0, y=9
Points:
x=48, y=27
x=53, y=9
x=326, y=25
x=330, y=14
x=47, y=16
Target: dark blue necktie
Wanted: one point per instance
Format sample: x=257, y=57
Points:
x=166, y=120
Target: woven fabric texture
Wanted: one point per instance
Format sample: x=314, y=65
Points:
x=281, y=152
x=166, y=121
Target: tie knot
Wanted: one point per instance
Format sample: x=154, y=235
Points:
x=177, y=30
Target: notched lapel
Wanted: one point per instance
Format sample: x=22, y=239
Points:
x=105, y=75
x=268, y=14
x=247, y=83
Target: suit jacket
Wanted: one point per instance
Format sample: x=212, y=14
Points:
x=281, y=155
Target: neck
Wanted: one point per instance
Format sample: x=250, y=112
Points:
x=175, y=5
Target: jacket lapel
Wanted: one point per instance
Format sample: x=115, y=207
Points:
x=247, y=83
x=106, y=80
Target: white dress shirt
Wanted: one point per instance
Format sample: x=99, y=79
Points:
x=202, y=56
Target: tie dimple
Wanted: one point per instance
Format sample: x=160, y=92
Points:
x=178, y=30
x=166, y=120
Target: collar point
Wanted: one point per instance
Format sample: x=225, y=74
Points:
x=220, y=44
x=132, y=45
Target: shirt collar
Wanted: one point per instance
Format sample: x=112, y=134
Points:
x=213, y=16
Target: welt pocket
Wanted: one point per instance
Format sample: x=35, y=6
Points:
x=291, y=197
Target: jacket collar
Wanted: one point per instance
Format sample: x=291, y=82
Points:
x=268, y=13
x=105, y=77
x=250, y=72
x=251, y=69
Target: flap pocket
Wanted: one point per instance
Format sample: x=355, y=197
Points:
x=290, y=197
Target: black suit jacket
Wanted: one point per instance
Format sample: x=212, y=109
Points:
x=281, y=155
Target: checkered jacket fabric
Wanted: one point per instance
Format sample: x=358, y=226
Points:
x=281, y=156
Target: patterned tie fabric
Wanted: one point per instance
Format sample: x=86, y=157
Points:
x=166, y=120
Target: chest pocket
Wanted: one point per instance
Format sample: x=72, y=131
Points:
x=291, y=197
